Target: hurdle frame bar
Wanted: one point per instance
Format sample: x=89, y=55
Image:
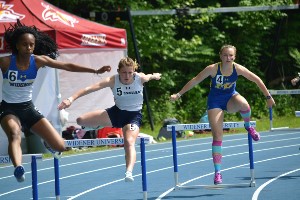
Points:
x=203, y=126
x=103, y=142
x=280, y=92
x=25, y=159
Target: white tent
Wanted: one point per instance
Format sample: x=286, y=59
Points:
x=80, y=41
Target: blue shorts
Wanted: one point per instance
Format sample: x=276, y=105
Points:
x=26, y=112
x=120, y=118
x=219, y=100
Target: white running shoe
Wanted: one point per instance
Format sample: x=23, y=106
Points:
x=56, y=154
x=128, y=177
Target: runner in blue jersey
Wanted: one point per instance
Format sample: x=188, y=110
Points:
x=223, y=97
x=30, y=50
x=127, y=87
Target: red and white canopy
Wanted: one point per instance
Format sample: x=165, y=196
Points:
x=68, y=30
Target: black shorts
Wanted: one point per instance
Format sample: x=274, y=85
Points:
x=27, y=113
x=120, y=118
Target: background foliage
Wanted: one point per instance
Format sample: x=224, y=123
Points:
x=180, y=46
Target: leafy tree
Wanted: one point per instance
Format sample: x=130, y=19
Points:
x=180, y=46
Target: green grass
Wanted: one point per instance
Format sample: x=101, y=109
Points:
x=261, y=125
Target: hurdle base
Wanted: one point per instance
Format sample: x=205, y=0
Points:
x=219, y=186
x=178, y=186
x=279, y=128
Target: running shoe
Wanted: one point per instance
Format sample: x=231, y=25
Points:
x=56, y=154
x=254, y=134
x=19, y=173
x=218, y=178
x=88, y=128
x=128, y=177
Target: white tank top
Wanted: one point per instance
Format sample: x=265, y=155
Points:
x=17, y=84
x=128, y=97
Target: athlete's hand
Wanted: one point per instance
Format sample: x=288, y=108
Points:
x=65, y=103
x=156, y=76
x=103, y=69
x=174, y=97
x=294, y=81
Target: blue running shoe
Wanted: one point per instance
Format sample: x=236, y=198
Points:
x=19, y=173
x=56, y=154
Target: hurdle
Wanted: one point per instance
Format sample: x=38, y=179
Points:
x=203, y=126
x=280, y=92
x=104, y=142
x=25, y=159
x=297, y=113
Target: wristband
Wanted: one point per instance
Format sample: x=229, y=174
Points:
x=179, y=95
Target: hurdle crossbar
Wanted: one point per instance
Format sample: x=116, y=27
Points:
x=280, y=92
x=204, y=126
x=26, y=158
x=103, y=142
x=201, y=126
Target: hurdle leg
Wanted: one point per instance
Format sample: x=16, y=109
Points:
x=143, y=164
x=175, y=156
x=56, y=174
x=34, y=178
x=252, y=181
x=271, y=118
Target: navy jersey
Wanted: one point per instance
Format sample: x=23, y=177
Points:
x=221, y=84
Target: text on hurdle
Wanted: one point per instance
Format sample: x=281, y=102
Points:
x=203, y=126
x=25, y=158
x=100, y=142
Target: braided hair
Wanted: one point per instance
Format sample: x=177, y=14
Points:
x=44, y=44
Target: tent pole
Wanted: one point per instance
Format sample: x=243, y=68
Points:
x=139, y=61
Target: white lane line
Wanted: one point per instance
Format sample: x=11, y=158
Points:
x=257, y=192
x=191, y=180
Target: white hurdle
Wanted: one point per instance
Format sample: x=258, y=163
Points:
x=280, y=92
x=203, y=126
x=104, y=142
x=25, y=159
x=297, y=113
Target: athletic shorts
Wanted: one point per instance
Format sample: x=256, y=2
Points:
x=120, y=118
x=27, y=113
x=219, y=100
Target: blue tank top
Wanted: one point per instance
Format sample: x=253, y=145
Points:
x=221, y=84
x=18, y=84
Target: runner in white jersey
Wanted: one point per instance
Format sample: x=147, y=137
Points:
x=127, y=88
x=31, y=50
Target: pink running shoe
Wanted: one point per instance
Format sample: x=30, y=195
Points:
x=255, y=135
x=218, y=178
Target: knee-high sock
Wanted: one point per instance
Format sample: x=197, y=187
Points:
x=217, y=154
x=246, y=114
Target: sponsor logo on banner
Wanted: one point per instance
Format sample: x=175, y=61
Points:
x=93, y=40
x=54, y=15
x=7, y=14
